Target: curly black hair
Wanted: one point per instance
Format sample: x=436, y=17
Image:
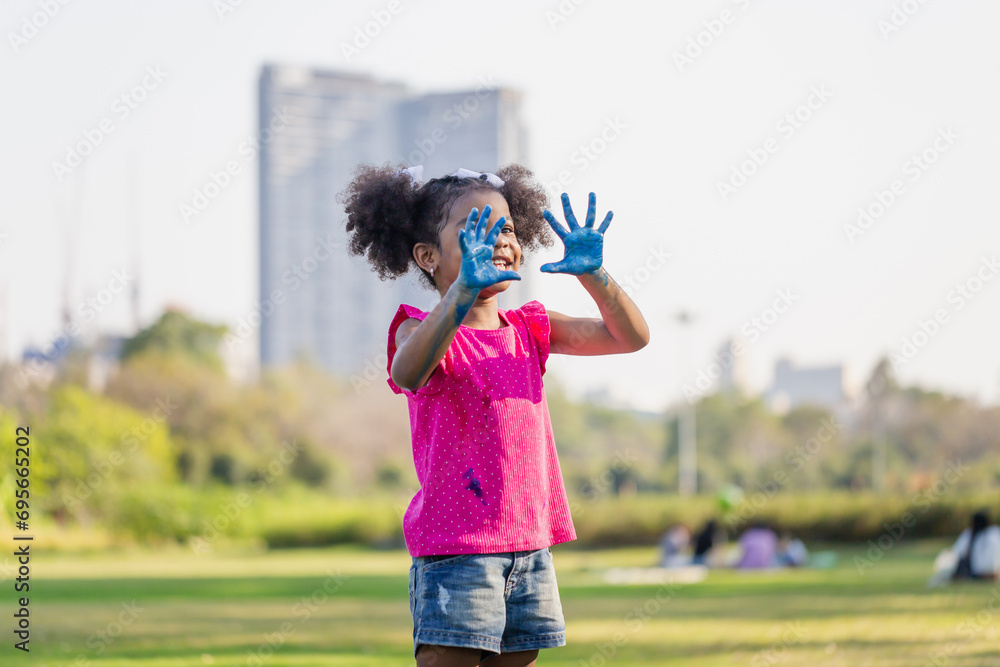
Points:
x=387, y=216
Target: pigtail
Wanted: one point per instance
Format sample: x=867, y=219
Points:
x=526, y=199
x=381, y=205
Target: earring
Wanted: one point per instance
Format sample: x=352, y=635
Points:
x=432, y=271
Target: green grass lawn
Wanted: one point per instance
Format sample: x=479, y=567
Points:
x=348, y=606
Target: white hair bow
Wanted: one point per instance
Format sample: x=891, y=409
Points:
x=416, y=175
x=492, y=179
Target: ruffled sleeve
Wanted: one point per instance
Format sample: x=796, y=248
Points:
x=537, y=317
x=405, y=312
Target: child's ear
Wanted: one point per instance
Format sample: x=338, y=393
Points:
x=425, y=255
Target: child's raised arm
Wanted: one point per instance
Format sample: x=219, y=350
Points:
x=622, y=327
x=620, y=330
x=420, y=346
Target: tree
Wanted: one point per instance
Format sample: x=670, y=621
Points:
x=176, y=333
x=90, y=449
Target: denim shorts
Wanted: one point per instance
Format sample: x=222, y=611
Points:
x=497, y=603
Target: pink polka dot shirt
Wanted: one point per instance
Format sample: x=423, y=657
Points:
x=482, y=440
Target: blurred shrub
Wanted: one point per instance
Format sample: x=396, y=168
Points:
x=176, y=333
x=159, y=513
x=827, y=517
x=298, y=518
x=294, y=515
x=87, y=449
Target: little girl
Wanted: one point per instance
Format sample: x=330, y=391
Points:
x=491, y=499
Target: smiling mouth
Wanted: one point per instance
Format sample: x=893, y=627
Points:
x=501, y=264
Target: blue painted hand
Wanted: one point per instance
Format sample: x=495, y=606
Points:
x=478, y=270
x=584, y=245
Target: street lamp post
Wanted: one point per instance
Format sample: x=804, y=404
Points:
x=687, y=460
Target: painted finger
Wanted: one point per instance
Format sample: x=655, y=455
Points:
x=555, y=224
x=470, y=222
x=491, y=238
x=607, y=221
x=591, y=210
x=568, y=213
x=483, y=219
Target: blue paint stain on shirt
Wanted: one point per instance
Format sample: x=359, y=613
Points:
x=474, y=485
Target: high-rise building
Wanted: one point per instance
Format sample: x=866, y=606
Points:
x=733, y=373
x=794, y=386
x=315, y=127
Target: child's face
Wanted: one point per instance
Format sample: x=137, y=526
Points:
x=506, y=247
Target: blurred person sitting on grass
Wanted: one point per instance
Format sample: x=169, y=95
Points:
x=674, y=547
x=974, y=556
x=710, y=545
x=792, y=551
x=760, y=547
x=977, y=550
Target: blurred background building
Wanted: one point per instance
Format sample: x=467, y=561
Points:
x=819, y=385
x=316, y=126
x=734, y=373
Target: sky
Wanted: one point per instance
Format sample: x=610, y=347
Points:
x=835, y=162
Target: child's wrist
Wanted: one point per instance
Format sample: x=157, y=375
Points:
x=464, y=292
